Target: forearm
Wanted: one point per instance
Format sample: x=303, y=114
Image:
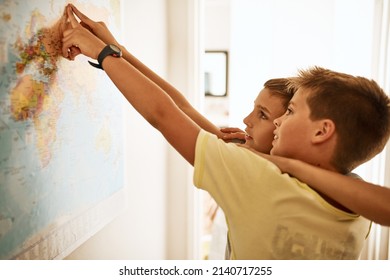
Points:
x=150, y=100
x=176, y=96
x=366, y=199
x=131, y=84
x=100, y=30
x=154, y=105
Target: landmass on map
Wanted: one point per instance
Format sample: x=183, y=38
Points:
x=36, y=96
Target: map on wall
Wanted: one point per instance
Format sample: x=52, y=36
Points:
x=61, y=133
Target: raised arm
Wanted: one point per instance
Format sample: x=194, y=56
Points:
x=369, y=200
x=103, y=33
x=177, y=97
x=144, y=95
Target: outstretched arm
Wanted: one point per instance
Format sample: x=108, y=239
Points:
x=144, y=95
x=102, y=32
x=177, y=97
x=369, y=200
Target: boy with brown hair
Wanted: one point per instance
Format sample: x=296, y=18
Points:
x=358, y=107
x=281, y=217
x=270, y=215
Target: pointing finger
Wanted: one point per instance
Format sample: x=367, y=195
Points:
x=80, y=15
x=71, y=17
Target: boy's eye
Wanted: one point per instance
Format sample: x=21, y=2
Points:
x=262, y=115
x=288, y=111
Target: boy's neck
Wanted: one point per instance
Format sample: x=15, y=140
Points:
x=328, y=199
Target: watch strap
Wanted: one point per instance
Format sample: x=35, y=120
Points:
x=106, y=51
x=96, y=65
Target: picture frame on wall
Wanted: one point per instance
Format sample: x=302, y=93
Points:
x=216, y=73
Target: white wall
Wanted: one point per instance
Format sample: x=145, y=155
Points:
x=217, y=24
x=140, y=232
x=158, y=222
x=272, y=39
x=184, y=72
x=217, y=38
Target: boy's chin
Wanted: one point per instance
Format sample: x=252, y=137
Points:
x=273, y=152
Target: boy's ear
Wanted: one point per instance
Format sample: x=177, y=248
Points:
x=324, y=131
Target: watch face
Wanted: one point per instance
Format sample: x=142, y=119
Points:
x=115, y=48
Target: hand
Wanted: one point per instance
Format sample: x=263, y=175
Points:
x=99, y=29
x=233, y=134
x=79, y=40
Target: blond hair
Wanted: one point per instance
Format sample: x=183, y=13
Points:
x=280, y=87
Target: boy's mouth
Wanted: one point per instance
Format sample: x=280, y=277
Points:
x=276, y=137
x=247, y=137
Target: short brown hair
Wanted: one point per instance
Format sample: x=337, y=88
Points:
x=280, y=87
x=359, y=108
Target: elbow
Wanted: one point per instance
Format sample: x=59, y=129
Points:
x=159, y=118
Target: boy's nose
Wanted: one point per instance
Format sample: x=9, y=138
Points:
x=277, y=122
x=246, y=121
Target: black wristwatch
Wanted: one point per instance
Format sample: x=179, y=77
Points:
x=107, y=50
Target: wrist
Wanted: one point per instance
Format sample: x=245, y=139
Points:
x=123, y=49
x=107, y=50
x=99, y=48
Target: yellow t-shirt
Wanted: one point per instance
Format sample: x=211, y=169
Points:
x=271, y=215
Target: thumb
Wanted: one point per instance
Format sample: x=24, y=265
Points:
x=74, y=51
x=73, y=21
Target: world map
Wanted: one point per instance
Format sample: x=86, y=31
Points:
x=61, y=124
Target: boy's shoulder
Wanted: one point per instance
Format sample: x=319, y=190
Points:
x=354, y=175
x=217, y=154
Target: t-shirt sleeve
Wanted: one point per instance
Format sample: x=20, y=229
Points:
x=231, y=174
